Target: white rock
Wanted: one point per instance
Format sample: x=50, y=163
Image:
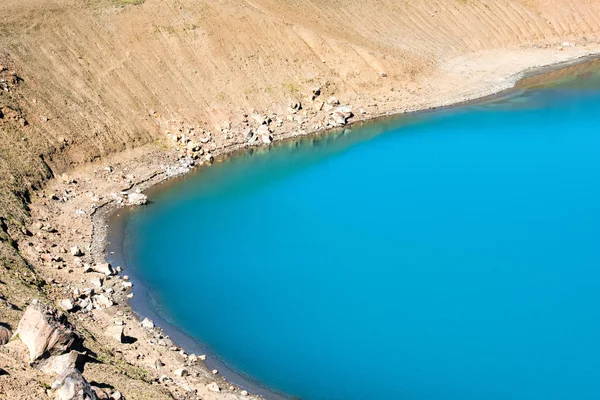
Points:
x=116, y=396
x=181, y=372
x=96, y=282
x=66, y=304
x=244, y=393
x=44, y=331
x=202, y=357
x=266, y=139
x=263, y=130
x=56, y=365
x=115, y=332
x=137, y=199
x=148, y=324
x=213, y=387
x=76, y=251
x=101, y=302
x=103, y=268
x=214, y=371
x=71, y=385
x=250, y=136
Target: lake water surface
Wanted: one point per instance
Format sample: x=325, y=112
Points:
x=451, y=255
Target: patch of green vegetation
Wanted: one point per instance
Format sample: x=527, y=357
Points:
x=129, y=2
x=291, y=87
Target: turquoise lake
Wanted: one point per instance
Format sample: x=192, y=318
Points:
x=447, y=255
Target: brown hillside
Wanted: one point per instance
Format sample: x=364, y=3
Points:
x=83, y=79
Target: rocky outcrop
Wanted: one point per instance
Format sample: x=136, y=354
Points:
x=45, y=332
x=71, y=385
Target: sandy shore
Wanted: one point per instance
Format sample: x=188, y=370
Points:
x=92, y=193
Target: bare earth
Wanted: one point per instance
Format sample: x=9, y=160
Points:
x=118, y=95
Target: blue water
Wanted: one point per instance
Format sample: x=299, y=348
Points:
x=452, y=255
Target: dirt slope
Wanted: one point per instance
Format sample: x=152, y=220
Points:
x=83, y=79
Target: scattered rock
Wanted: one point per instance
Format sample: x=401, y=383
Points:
x=116, y=332
x=214, y=371
x=158, y=364
x=193, y=146
x=333, y=101
x=56, y=365
x=44, y=331
x=116, y=396
x=244, y=393
x=260, y=119
x=181, y=372
x=341, y=115
x=250, y=136
x=5, y=335
x=71, y=385
x=76, y=251
x=66, y=304
x=100, y=394
x=192, y=358
x=148, y=324
x=213, y=387
x=202, y=357
x=104, y=268
x=294, y=107
x=96, y=282
x=137, y=199
x=101, y=302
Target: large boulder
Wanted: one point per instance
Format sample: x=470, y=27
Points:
x=71, y=385
x=5, y=335
x=45, y=331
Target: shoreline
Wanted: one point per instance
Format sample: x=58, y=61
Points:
x=102, y=242
x=141, y=303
